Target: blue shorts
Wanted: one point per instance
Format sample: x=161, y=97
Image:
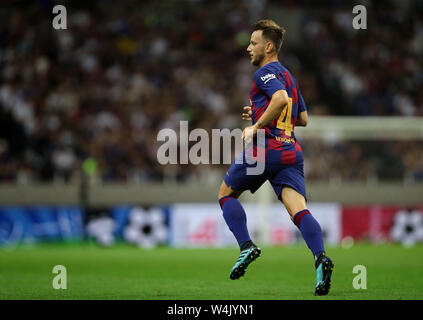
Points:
x=278, y=175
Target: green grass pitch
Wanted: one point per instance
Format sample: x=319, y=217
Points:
x=125, y=272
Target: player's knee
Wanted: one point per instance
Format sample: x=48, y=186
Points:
x=223, y=191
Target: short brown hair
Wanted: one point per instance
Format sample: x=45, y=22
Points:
x=271, y=31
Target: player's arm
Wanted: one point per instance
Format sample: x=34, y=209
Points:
x=282, y=96
x=278, y=101
x=302, y=119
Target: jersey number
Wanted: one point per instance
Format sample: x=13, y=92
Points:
x=284, y=120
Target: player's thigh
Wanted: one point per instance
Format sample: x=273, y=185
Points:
x=292, y=200
x=289, y=185
x=238, y=179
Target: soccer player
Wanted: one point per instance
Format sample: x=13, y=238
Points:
x=277, y=107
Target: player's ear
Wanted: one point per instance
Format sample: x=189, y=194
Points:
x=269, y=46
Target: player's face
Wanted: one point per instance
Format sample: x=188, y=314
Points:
x=256, y=49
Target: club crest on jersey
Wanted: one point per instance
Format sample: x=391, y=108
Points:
x=268, y=77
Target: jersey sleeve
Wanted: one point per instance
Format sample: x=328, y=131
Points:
x=301, y=104
x=268, y=82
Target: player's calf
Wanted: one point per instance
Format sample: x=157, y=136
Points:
x=233, y=213
x=312, y=234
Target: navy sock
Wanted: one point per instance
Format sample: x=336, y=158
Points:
x=246, y=245
x=311, y=231
x=235, y=218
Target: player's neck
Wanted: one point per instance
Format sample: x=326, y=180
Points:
x=268, y=59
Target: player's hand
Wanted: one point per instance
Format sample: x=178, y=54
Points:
x=248, y=133
x=247, y=115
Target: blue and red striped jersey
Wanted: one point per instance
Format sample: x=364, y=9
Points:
x=280, y=137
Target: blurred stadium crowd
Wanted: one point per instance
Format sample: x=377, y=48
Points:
x=94, y=96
